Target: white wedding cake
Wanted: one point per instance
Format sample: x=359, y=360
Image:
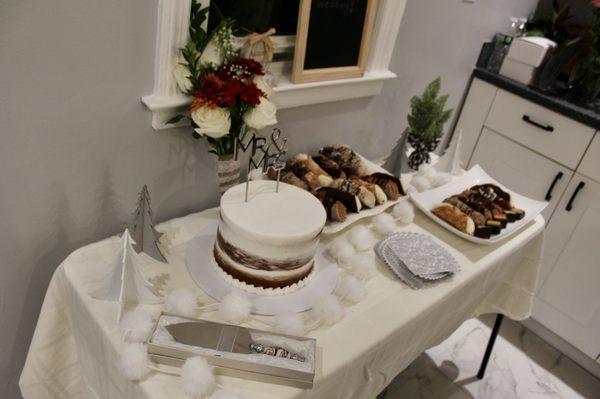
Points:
x=270, y=241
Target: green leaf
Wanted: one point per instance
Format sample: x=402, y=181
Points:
x=175, y=119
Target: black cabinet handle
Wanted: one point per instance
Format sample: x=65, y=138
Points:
x=577, y=189
x=548, y=128
x=558, y=176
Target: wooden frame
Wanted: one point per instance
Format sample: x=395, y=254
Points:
x=301, y=75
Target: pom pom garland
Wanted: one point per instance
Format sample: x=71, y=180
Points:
x=427, y=171
x=440, y=179
x=362, y=238
x=134, y=363
x=235, y=308
x=420, y=183
x=137, y=325
x=198, y=377
x=384, y=223
x=351, y=289
x=404, y=212
x=327, y=309
x=181, y=301
x=361, y=266
x=290, y=323
x=341, y=249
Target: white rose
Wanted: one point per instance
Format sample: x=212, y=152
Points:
x=261, y=116
x=211, y=54
x=182, y=77
x=263, y=86
x=212, y=121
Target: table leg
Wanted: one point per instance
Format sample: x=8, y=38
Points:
x=490, y=346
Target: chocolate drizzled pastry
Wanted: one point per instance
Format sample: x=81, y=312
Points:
x=390, y=185
x=347, y=159
x=366, y=197
x=329, y=166
x=287, y=177
x=329, y=196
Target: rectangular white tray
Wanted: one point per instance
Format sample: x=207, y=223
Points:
x=427, y=200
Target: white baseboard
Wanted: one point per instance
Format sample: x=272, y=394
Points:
x=563, y=346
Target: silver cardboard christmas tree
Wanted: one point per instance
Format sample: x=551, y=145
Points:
x=142, y=228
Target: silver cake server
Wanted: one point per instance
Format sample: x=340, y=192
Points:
x=224, y=338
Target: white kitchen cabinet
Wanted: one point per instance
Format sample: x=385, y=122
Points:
x=520, y=169
x=528, y=148
x=569, y=297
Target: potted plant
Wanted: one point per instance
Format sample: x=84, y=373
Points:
x=228, y=94
x=425, y=123
x=587, y=88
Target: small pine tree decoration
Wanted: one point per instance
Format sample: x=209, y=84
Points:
x=142, y=228
x=426, y=121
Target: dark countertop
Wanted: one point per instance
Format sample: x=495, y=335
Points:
x=583, y=114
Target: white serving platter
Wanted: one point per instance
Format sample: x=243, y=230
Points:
x=335, y=227
x=204, y=271
x=427, y=200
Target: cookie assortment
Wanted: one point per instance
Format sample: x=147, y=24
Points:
x=481, y=211
x=338, y=177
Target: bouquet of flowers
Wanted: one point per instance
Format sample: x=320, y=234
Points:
x=228, y=93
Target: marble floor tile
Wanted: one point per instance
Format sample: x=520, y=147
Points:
x=522, y=366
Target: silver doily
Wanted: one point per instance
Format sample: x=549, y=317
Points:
x=415, y=257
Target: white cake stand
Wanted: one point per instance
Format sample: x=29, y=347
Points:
x=203, y=269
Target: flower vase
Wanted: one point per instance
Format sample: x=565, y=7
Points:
x=421, y=150
x=228, y=172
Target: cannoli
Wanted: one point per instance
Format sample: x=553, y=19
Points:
x=390, y=185
x=329, y=166
x=455, y=217
x=380, y=196
x=366, y=197
x=288, y=177
x=330, y=195
x=348, y=160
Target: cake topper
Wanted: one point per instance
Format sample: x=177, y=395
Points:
x=263, y=156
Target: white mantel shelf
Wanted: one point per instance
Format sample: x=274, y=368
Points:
x=173, y=21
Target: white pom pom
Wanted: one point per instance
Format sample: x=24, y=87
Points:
x=327, y=309
x=290, y=323
x=235, y=308
x=181, y=301
x=361, y=266
x=440, y=179
x=427, y=171
x=137, y=325
x=384, y=223
x=198, y=377
x=134, y=363
x=404, y=212
x=224, y=394
x=362, y=238
x=420, y=183
x=351, y=289
x=341, y=249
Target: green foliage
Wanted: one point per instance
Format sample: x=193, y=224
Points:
x=427, y=116
x=198, y=34
x=555, y=27
x=175, y=119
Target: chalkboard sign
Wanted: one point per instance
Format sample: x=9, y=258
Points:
x=332, y=38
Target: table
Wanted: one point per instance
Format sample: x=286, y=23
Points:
x=76, y=343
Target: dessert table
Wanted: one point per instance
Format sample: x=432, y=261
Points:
x=77, y=341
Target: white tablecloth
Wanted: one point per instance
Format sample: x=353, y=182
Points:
x=76, y=343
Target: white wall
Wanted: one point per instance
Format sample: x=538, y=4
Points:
x=76, y=144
